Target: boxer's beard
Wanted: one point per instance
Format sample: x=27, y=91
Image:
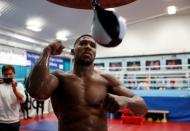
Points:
x=84, y=62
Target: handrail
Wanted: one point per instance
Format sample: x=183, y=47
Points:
x=166, y=77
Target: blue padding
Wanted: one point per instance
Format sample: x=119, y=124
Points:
x=42, y=126
x=178, y=107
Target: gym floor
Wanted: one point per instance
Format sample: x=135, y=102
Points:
x=49, y=123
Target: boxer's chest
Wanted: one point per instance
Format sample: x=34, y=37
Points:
x=91, y=91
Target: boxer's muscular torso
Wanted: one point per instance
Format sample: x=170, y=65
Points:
x=77, y=98
x=77, y=102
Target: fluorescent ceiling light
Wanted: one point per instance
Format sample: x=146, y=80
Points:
x=63, y=35
x=28, y=39
x=34, y=28
x=14, y=44
x=24, y=38
x=35, y=24
x=171, y=10
x=111, y=9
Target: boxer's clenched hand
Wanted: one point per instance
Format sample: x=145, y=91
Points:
x=114, y=103
x=56, y=47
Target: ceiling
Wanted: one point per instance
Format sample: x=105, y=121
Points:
x=14, y=14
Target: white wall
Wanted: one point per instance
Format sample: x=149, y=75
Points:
x=166, y=34
x=13, y=56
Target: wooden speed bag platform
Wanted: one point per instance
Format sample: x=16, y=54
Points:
x=87, y=4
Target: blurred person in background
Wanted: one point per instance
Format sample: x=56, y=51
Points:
x=11, y=96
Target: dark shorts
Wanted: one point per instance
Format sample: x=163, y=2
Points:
x=9, y=127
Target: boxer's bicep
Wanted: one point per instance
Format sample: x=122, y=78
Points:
x=116, y=87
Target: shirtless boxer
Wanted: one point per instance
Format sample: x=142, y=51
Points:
x=82, y=98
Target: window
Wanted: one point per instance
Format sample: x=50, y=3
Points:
x=153, y=65
x=188, y=63
x=99, y=66
x=173, y=64
x=115, y=66
x=133, y=66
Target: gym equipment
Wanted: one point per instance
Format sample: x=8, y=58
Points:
x=86, y=4
x=149, y=119
x=108, y=29
x=129, y=117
